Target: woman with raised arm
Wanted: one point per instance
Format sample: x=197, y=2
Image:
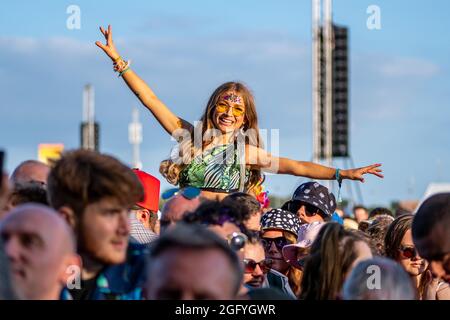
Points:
x=224, y=152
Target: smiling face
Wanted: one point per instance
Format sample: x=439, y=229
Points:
x=229, y=112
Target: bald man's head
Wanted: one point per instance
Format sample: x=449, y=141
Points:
x=175, y=209
x=30, y=170
x=40, y=247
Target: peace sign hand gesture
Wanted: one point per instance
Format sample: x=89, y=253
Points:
x=109, y=48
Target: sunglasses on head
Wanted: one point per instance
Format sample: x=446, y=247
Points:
x=188, y=192
x=280, y=242
x=408, y=252
x=237, y=240
x=237, y=111
x=250, y=265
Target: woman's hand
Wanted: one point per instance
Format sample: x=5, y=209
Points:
x=357, y=174
x=109, y=48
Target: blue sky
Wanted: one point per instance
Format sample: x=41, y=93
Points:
x=400, y=75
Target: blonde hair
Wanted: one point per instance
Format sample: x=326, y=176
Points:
x=188, y=149
x=294, y=275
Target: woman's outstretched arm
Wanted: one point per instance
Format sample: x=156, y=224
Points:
x=168, y=120
x=258, y=157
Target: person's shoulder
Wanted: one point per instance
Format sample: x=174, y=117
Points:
x=443, y=291
x=137, y=250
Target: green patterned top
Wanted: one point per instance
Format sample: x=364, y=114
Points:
x=216, y=169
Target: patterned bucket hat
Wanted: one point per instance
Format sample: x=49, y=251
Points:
x=316, y=195
x=280, y=219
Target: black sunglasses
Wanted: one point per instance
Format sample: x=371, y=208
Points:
x=408, y=252
x=250, y=265
x=280, y=242
x=294, y=205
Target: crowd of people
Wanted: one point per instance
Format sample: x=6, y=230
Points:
x=89, y=227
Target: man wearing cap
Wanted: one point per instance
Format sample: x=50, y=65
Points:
x=278, y=229
x=312, y=202
x=144, y=214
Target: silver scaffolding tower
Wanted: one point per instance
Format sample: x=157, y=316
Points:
x=89, y=129
x=135, y=138
x=330, y=91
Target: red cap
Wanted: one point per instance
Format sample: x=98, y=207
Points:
x=151, y=190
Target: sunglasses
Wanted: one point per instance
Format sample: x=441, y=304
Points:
x=408, y=252
x=294, y=206
x=280, y=242
x=237, y=240
x=237, y=111
x=250, y=265
x=189, y=193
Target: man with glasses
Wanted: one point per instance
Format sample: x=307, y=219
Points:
x=312, y=202
x=256, y=266
x=278, y=229
x=430, y=230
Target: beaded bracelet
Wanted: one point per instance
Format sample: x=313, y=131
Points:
x=120, y=74
x=120, y=65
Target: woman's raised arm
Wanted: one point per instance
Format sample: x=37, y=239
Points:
x=168, y=120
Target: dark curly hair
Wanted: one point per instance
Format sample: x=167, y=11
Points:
x=216, y=213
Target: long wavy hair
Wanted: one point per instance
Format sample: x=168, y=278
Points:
x=294, y=275
x=188, y=148
x=332, y=254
